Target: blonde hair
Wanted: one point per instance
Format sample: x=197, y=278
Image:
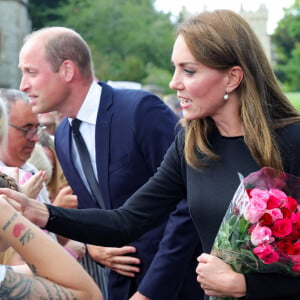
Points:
x=222, y=39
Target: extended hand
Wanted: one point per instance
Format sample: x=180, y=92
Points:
x=218, y=279
x=32, y=209
x=116, y=259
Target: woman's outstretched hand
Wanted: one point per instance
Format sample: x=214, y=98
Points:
x=33, y=210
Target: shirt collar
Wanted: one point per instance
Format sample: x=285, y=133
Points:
x=89, y=109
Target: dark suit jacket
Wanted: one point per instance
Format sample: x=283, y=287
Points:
x=133, y=131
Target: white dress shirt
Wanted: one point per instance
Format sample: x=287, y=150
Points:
x=88, y=115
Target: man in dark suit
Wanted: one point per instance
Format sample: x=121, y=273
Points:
x=127, y=133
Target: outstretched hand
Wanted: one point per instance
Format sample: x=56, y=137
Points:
x=33, y=210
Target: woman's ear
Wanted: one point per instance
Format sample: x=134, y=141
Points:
x=67, y=70
x=235, y=76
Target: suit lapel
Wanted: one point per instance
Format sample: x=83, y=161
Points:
x=65, y=141
x=102, y=142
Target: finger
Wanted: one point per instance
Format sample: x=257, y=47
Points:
x=16, y=205
x=203, y=258
x=124, y=260
x=10, y=193
x=128, y=274
x=121, y=251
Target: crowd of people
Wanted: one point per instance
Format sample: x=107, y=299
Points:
x=136, y=189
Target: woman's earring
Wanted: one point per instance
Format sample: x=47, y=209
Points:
x=226, y=96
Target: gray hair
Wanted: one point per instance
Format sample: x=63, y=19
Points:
x=9, y=96
x=3, y=121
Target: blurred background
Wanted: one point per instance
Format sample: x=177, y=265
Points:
x=131, y=41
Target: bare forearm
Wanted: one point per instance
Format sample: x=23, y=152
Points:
x=35, y=246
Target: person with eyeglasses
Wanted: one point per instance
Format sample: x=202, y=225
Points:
x=30, y=133
x=22, y=136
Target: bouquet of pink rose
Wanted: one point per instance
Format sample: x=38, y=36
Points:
x=261, y=228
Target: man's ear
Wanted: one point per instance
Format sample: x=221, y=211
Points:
x=235, y=76
x=67, y=70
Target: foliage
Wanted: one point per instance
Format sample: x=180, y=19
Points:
x=286, y=39
x=158, y=77
x=294, y=98
x=124, y=36
x=41, y=12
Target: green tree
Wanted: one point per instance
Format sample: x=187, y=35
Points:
x=124, y=36
x=42, y=11
x=286, y=39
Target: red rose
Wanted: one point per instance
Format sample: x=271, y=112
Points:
x=295, y=234
x=282, y=227
x=273, y=202
x=266, y=220
x=266, y=253
x=296, y=248
x=291, y=204
x=286, y=212
x=285, y=246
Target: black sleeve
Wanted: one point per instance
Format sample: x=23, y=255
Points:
x=145, y=209
x=272, y=286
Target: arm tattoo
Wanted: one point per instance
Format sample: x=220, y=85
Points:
x=17, y=286
x=32, y=268
x=11, y=219
x=26, y=237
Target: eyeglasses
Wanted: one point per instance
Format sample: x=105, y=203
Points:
x=30, y=133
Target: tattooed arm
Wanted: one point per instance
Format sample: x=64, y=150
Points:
x=57, y=274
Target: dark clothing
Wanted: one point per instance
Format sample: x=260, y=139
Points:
x=133, y=131
x=208, y=192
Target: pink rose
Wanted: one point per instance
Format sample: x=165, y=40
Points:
x=266, y=253
x=261, y=235
x=260, y=194
x=282, y=228
x=255, y=210
x=275, y=213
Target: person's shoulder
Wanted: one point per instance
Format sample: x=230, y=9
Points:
x=289, y=137
x=135, y=94
x=291, y=131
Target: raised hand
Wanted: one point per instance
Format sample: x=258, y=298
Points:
x=65, y=198
x=33, y=185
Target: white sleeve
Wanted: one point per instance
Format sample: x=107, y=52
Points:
x=2, y=273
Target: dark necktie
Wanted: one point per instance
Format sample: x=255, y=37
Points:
x=86, y=163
